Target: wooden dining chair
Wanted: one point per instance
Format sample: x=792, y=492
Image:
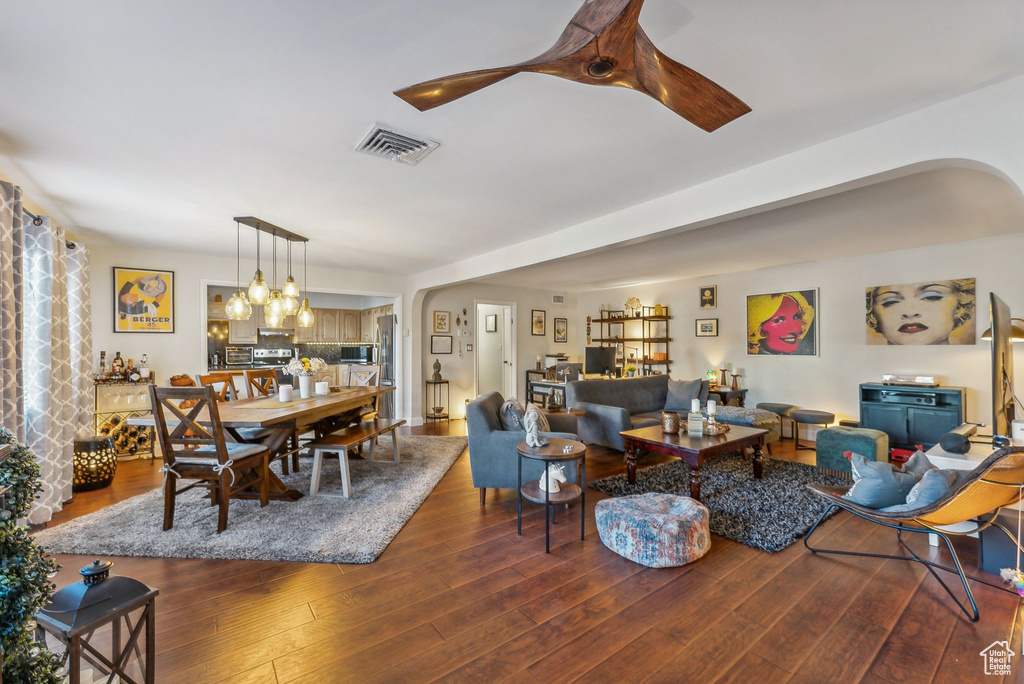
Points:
x=363, y=376
x=262, y=382
x=998, y=481
x=193, y=446
x=226, y=392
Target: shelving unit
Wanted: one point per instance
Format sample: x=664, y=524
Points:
x=654, y=337
x=116, y=402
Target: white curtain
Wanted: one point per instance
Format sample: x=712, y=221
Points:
x=54, y=351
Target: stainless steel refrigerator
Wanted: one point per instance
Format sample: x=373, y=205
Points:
x=384, y=354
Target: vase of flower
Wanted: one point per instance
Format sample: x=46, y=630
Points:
x=304, y=369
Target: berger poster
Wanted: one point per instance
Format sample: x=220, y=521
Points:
x=143, y=300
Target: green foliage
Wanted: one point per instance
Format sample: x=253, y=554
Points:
x=24, y=573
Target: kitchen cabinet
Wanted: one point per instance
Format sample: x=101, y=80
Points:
x=244, y=332
x=350, y=326
x=366, y=324
x=306, y=334
x=216, y=311
x=327, y=325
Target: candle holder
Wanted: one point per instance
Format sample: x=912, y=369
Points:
x=95, y=463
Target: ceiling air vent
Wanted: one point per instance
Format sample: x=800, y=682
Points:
x=384, y=141
x=558, y=299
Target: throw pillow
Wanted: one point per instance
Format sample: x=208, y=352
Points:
x=511, y=415
x=918, y=464
x=705, y=389
x=542, y=421
x=681, y=392
x=877, y=484
x=933, y=486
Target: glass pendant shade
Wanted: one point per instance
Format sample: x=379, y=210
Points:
x=273, y=321
x=291, y=289
x=258, y=290
x=304, y=318
x=275, y=307
x=238, y=308
x=291, y=305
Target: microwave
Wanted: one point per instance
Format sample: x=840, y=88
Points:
x=238, y=356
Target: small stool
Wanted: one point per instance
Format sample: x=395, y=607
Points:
x=834, y=441
x=656, y=530
x=809, y=417
x=782, y=411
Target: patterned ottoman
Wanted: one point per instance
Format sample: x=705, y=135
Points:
x=656, y=530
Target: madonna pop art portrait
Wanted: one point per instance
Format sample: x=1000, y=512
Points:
x=782, y=323
x=932, y=312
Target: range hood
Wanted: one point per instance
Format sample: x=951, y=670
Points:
x=276, y=332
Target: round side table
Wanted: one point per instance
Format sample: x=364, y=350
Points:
x=554, y=452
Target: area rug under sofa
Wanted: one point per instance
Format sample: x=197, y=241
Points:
x=767, y=514
x=313, y=529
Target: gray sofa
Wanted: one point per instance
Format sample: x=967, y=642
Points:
x=493, y=458
x=614, y=406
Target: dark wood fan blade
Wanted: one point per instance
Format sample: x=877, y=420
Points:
x=439, y=91
x=692, y=96
x=595, y=15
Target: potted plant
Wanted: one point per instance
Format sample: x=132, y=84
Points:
x=630, y=370
x=305, y=368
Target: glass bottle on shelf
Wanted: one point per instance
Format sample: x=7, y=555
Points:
x=133, y=372
x=102, y=374
x=144, y=367
x=117, y=367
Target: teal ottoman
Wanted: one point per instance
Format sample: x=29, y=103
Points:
x=833, y=441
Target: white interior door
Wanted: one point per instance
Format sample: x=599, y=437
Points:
x=507, y=360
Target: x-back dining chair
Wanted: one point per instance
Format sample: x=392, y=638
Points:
x=262, y=382
x=194, y=450
x=997, y=482
x=226, y=391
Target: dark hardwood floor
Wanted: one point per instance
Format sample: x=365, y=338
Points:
x=458, y=596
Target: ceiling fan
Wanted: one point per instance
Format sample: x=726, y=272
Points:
x=602, y=45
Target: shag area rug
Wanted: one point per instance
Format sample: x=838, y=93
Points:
x=767, y=514
x=316, y=529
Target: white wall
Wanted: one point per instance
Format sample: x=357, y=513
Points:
x=829, y=381
x=184, y=351
x=459, y=372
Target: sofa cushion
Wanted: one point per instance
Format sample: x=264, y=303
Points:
x=636, y=395
x=511, y=415
x=681, y=393
x=642, y=420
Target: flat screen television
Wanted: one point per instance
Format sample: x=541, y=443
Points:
x=600, y=360
x=1000, y=323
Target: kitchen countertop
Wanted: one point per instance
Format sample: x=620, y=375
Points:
x=245, y=367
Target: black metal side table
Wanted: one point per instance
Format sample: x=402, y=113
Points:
x=434, y=388
x=553, y=452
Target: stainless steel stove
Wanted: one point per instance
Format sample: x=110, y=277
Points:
x=272, y=358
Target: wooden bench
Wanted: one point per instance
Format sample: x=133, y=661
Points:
x=343, y=440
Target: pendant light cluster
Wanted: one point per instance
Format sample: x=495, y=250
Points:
x=277, y=304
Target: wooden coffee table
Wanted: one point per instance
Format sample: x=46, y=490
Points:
x=693, y=450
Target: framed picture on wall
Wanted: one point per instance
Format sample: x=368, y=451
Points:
x=440, y=344
x=442, y=321
x=932, y=312
x=491, y=323
x=143, y=300
x=540, y=322
x=561, y=330
x=708, y=296
x=783, y=323
x=706, y=327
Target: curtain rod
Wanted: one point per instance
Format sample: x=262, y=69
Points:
x=37, y=221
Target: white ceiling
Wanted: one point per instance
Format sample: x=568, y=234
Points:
x=929, y=208
x=155, y=122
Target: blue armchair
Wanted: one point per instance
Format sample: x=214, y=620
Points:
x=493, y=458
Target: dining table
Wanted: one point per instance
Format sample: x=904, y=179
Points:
x=280, y=421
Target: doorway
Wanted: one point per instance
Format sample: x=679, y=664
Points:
x=496, y=348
